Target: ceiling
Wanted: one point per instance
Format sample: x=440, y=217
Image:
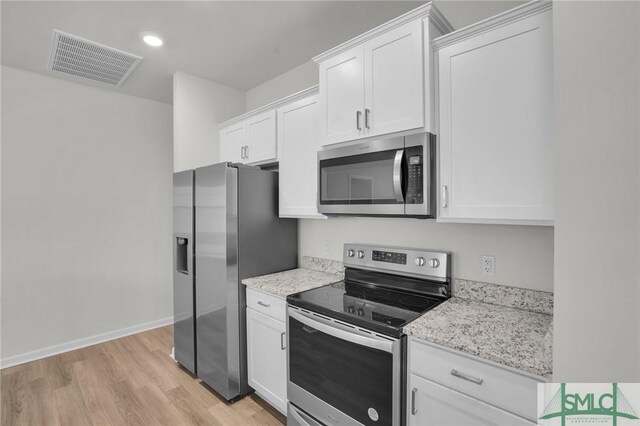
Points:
x=236, y=43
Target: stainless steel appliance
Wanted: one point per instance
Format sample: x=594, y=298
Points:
x=385, y=177
x=346, y=346
x=226, y=228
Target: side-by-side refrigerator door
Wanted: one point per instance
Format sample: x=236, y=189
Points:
x=217, y=284
x=183, y=272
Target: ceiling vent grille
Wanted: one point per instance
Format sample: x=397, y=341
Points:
x=83, y=58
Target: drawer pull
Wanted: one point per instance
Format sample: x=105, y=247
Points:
x=463, y=376
x=266, y=305
x=414, y=409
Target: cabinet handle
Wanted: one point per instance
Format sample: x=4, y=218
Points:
x=463, y=376
x=358, y=114
x=414, y=409
x=443, y=197
x=366, y=118
x=242, y=152
x=283, y=341
x=246, y=151
x=261, y=303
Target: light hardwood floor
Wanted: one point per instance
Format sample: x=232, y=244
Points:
x=128, y=381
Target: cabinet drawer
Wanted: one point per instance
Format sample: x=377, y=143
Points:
x=435, y=405
x=268, y=304
x=497, y=386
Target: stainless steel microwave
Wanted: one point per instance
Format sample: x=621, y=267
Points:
x=385, y=177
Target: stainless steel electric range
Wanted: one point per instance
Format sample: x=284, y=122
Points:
x=346, y=347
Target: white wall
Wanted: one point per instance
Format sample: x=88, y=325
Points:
x=524, y=254
x=199, y=105
x=86, y=213
x=597, y=109
x=292, y=81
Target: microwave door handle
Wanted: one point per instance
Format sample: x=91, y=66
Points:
x=382, y=345
x=397, y=175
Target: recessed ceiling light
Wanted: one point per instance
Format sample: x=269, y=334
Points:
x=152, y=39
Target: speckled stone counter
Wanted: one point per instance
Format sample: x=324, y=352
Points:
x=282, y=284
x=513, y=337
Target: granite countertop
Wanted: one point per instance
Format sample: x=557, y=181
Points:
x=282, y=284
x=513, y=337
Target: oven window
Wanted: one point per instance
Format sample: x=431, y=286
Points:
x=358, y=179
x=348, y=376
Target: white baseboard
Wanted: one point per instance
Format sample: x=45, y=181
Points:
x=82, y=343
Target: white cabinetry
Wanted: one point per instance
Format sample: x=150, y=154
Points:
x=437, y=405
x=379, y=83
x=495, y=96
x=266, y=347
x=342, y=94
x=249, y=139
x=446, y=387
x=298, y=144
x=285, y=131
x=261, y=138
x=232, y=142
x=394, y=81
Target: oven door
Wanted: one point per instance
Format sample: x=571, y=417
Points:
x=340, y=374
x=362, y=179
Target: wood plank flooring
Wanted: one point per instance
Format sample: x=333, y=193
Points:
x=128, y=381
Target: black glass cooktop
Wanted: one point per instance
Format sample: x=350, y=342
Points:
x=369, y=306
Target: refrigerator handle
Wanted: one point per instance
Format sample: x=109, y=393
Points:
x=183, y=255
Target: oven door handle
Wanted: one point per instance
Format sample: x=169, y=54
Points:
x=397, y=175
x=383, y=345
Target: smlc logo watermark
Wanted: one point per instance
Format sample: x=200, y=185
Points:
x=589, y=403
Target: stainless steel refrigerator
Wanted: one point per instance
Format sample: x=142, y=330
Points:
x=225, y=228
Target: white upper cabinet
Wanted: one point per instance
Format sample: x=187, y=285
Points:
x=249, y=139
x=342, y=83
x=261, y=138
x=495, y=96
x=232, y=142
x=394, y=81
x=285, y=131
x=380, y=82
x=298, y=144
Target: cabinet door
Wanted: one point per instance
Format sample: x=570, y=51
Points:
x=432, y=404
x=496, y=121
x=261, y=138
x=342, y=97
x=232, y=141
x=267, y=358
x=394, y=80
x=298, y=145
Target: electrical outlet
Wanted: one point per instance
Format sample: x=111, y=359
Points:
x=488, y=265
x=326, y=246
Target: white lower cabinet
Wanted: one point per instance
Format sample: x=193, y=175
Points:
x=267, y=356
x=433, y=404
x=447, y=387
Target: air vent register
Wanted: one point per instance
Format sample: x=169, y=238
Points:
x=83, y=58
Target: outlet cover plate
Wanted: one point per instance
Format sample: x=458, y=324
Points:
x=488, y=265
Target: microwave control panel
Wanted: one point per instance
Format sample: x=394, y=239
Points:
x=415, y=178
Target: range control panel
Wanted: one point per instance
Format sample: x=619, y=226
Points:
x=389, y=257
x=404, y=261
